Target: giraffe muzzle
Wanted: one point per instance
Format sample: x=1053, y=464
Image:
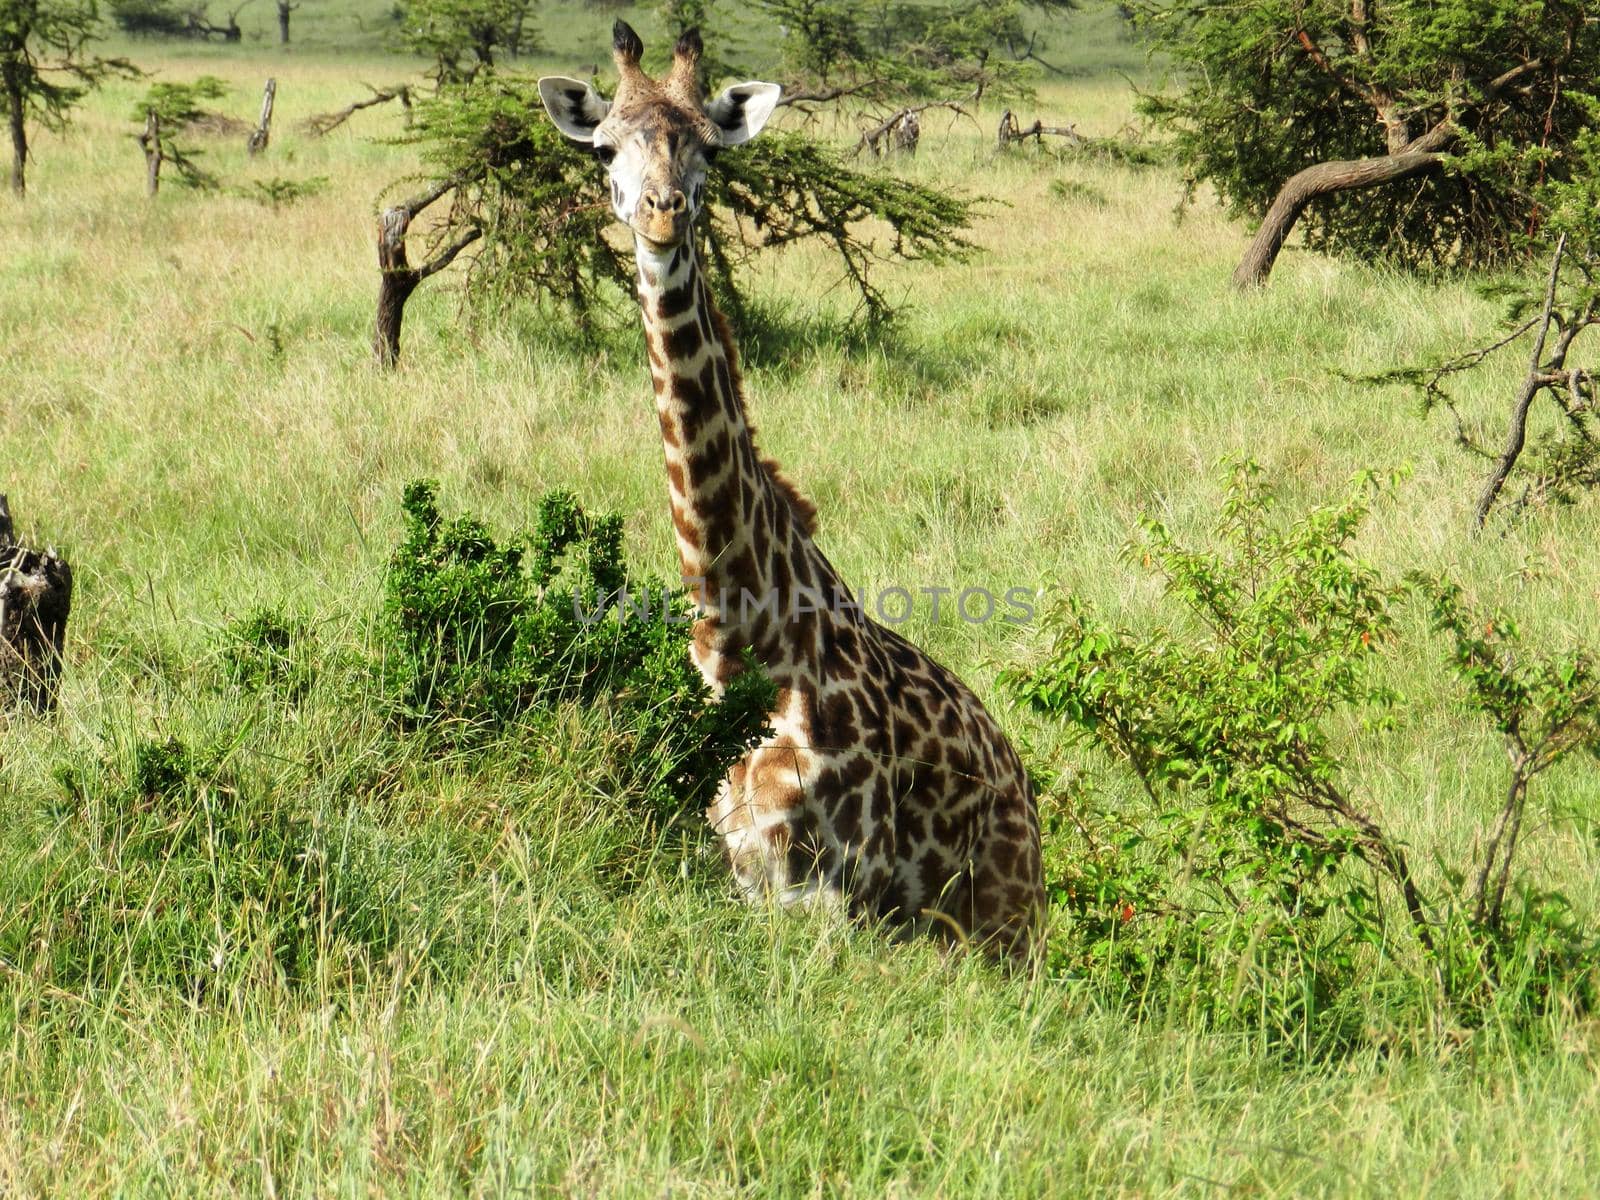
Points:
x=662, y=216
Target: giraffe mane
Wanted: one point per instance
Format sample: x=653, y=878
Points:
x=805, y=512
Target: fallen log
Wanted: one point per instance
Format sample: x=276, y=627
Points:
x=1012, y=131
x=323, y=124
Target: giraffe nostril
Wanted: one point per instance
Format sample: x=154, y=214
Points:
x=679, y=202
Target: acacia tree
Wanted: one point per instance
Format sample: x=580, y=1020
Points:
x=1292, y=107
x=536, y=209
x=45, y=68
x=1545, y=320
x=962, y=49
x=464, y=36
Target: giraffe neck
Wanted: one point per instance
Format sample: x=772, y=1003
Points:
x=740, y=530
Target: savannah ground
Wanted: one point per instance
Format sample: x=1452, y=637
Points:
x=569, y=1000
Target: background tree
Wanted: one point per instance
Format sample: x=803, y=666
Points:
x=541, y=208
x=463, y=37
x=1556, y=450
x=168, y=111
x=1290, y=107
x=908, y=50
x=45, y=67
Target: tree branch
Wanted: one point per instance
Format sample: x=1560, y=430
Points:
x=1517, y=435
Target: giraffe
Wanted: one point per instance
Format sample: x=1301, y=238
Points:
x=886, y=788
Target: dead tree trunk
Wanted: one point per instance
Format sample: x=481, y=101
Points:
x=398, y=278
x=150, y=140
x=885, y=135
x=263, y=131
x=35, y=599
x=907, y=134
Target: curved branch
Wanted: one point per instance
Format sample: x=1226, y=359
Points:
x=1324, y=179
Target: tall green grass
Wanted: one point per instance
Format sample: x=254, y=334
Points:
x=508, y=977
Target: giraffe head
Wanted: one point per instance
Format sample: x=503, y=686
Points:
x=657, y=135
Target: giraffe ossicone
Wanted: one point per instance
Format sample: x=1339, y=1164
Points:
x=886, y=785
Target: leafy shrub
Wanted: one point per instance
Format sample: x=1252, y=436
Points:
x=268, y=649
x=279, y=193
x=152, y=18
x=484, y=633
x=1546, y=707
x=1226, y=729
x=179, y=104
x=1252, y=848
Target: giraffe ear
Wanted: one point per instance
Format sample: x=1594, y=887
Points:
x=742, y=109
x=574, y=106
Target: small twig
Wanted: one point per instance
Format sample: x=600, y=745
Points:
x=825, y=95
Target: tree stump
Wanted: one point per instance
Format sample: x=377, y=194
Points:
x=35, y=598
x=263, y=130
x=907, y=134
x=150, y=140
x=398, y=278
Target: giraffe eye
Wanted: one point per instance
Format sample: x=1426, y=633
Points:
x=606, y=154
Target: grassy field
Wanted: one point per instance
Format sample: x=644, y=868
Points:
x=526, y=989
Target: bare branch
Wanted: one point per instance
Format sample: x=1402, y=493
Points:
x=325, y=123
x=1517, y=436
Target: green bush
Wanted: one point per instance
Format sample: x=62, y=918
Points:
x=481, y=634
x=268, y=649
x=1251, y=878
x=179, y=104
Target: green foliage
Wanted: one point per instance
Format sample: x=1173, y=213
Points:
x=484, y=633
x=542, y=205
x=45, y=65
x=179, y=104
x=279, y=193
x=267, y=649
x=462, y=37
x=1268, y=89
x=1252, y=850
x=966, y=50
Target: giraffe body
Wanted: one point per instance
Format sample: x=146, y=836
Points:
x=885, y=787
